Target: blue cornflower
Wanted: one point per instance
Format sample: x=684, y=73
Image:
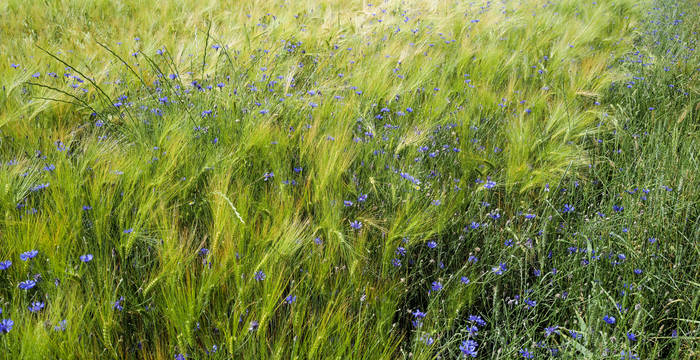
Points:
x=418, y=314
x=5, y=264
x=179, y=357
x=530, y=303
x=468, y=348
x=631, y=336
x=575, y=335
x=638, y=271
x=396, y=262
x=551, y=330
x=26, y=285
x=427, y=339
x=567, y=208
x=465, y=280
x=628, y=356
x=490, y=184
x=118, y=304
x=436, y=286
x=86, y=258
x=260, y=275
x=268, y=175
x=477, y=319
x=129, y=231
x=432, y=244
x=6, y=325
x=61, y=326
x=28, y=255
x=609, y=319
x=36, y=306
x=500, y=269
x=347, y=203
x=356, y=225
x=526, y=353
x=290, y=299
x=253, y=325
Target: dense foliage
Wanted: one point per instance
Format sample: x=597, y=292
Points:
x=340, y=179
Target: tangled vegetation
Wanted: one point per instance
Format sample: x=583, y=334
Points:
x=349, y=180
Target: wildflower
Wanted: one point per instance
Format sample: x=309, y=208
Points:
x=36, y=306
x=526, y=353
x=290, y=299
x=28, y=255
x=567, y=208
x=432, y=244
x=477, y=319
x=118, y=304
x=500, y=269
x=347, y=203
x=268, y=175
x=26, y=285
x=418, y=314
x=86, y=258
x=396, y=262
x=6, y=325
x=129, y=231
x=5, y=264
x=551, y=330
x=253, y=325
x=574, y=334
x=179, y=357
x=260, y=275
x=465, y=280
x=631, y=336
x=628, y=355
x=468, y=348
x=490, y=184
x=436, y=286
x=356, y=225
x=61, y=326
x=609, y=319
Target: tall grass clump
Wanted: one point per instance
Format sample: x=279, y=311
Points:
x=344, y=179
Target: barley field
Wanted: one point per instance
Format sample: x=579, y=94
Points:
x=343, y=179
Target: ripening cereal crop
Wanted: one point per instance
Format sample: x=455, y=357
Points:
x=344, y=179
